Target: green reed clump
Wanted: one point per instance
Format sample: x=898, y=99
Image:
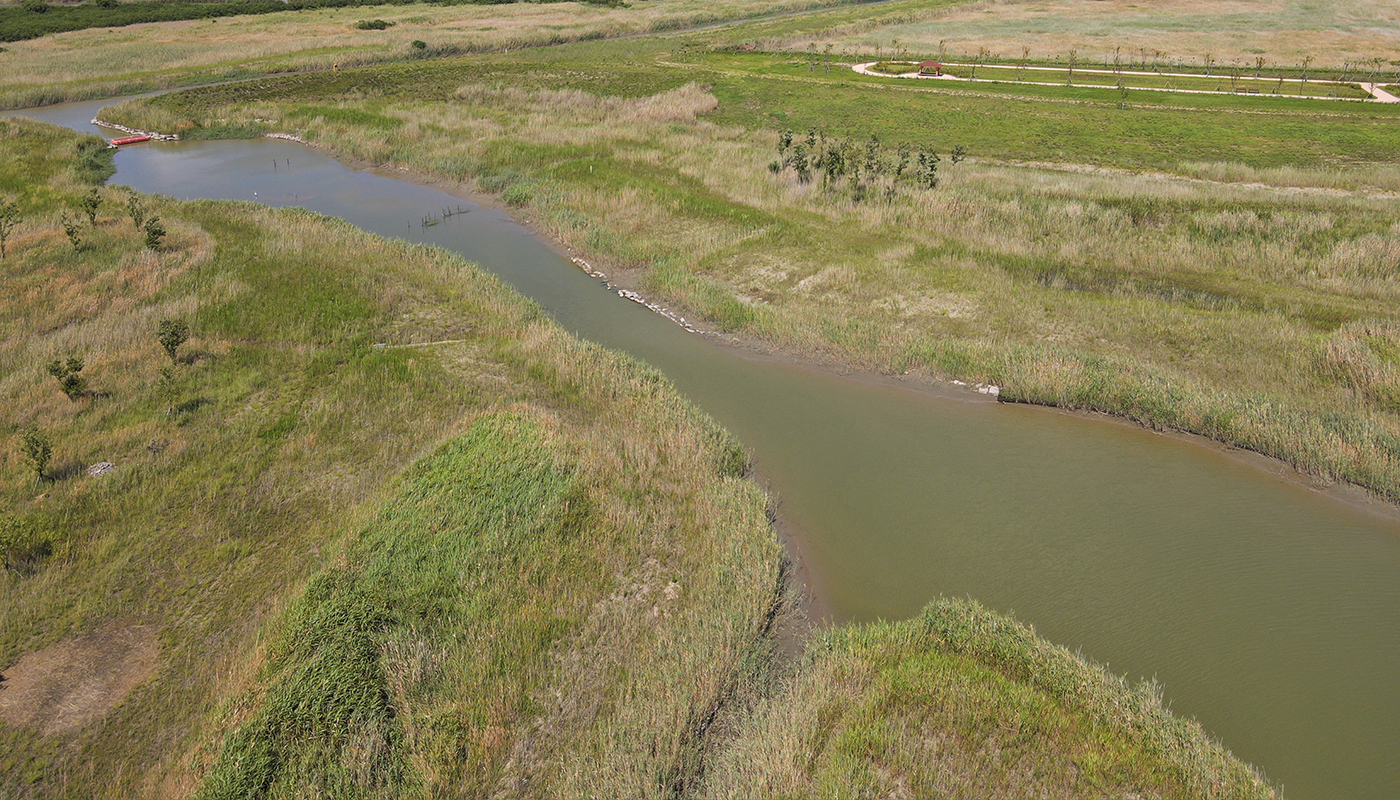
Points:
x=327, y=724
x=964, y=702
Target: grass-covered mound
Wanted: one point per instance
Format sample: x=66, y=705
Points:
x=475, y=635
x=961, y=702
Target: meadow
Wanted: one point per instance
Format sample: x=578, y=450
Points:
x=512, y=563
x=477, y=547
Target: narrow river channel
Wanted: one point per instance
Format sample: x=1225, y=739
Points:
x=1267, y=610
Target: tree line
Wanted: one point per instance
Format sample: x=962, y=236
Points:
x=862, y=168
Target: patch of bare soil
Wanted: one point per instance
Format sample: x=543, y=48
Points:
x=76, y=681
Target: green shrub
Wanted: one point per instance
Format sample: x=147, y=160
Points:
x=66, y=372
x=372, y=25
x=37, y=450
x=90, y=203
x=94, y=164
x=155, y=233
x=173, y=333
x=136, y=210
x=71, y=230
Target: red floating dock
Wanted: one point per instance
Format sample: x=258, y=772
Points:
x=130, y=140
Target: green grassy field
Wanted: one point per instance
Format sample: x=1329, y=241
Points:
x=1183, y=35
x=516, y=564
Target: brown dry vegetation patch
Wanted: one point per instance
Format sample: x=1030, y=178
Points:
x=1282, y=31
x=71, y=683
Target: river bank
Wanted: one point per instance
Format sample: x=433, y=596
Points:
x=741, y=252
x=633, y=279
x=905, y=500
x=683, y=209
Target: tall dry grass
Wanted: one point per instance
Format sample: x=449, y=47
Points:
x=1179, y=34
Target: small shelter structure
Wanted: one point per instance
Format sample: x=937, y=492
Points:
x=930, y=68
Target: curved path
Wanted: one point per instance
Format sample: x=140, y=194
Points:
x=1381, y=95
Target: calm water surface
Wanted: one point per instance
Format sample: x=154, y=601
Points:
x=1268, y=611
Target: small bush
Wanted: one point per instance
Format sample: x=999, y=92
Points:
x=108, y=3
x=419, y=44
x=172, y=334
x=72, y=384
x=136, y=210
x=37, y=450
x=155, y=233
x=373, y=25
x=90, y=203
x=94, y=165
x=70, y=229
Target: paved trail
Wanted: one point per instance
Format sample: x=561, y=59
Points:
x=1378, y=95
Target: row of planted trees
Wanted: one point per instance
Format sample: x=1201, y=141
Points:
x=1374, y=70
x=35, y=444
x=1140, y=59
x=863, y=169
x=150, y=226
